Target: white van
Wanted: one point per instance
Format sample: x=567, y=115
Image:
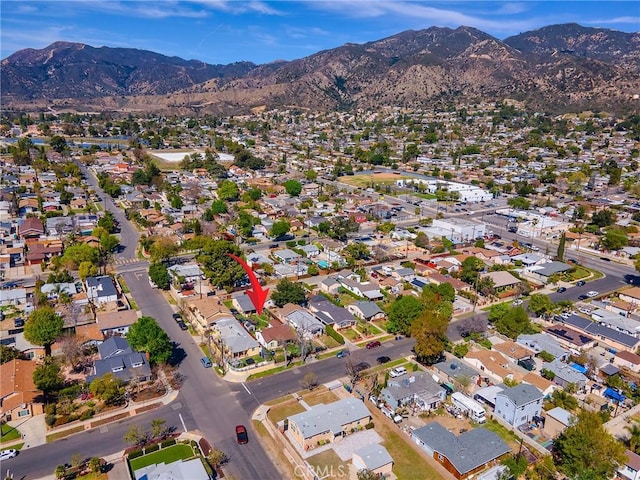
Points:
x=397, y=372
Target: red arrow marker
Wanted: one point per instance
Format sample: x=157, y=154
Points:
x=257, y=295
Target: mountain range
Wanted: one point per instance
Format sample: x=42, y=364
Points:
x=556, y=68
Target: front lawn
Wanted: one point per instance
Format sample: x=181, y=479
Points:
x=284, y=410
x=350, y=333
x=164, y=455
x=320, y=396
x=9, y=433
x=328, y=341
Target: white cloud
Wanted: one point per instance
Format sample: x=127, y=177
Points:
x=609, y=21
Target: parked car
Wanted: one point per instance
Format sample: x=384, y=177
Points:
x=561, y=289
x=206, y=362
x=517, y=302
x=18, y=322
x=177, y=317
x=373, y=344
x=241, y=435
x=592, y=293
x=7, y=454
x=580, y=283
x=397, y=372
x=383, y=359
x=583, y=297
x=342, y=354
x=182, y=325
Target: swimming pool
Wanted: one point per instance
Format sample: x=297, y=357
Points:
x=323, y=264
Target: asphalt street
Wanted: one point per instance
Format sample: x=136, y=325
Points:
x=40, y=461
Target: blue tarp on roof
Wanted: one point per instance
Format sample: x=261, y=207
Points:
x=613, y=395
x=578, y=367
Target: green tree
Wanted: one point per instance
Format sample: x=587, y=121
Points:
x=42, y=327
x=87, y=269
x=540, y=304
x=470, y=269
x=497, y=311
x=108, y=388
x=58, y=143
x=48, y=376
x=108, y=222
x=614, y=239
x=288, y=292
x=357, y=251
x=561, y=246
x=228, y=191
x=162, y=249
x=279, y=228
x=8, y=353
x=218, y=207
x=293, y=187
x=218, y=266
x=386, y=227
x=311, y=175
x=515, y=322
x=430, y=332
x=158, y=427
x=339, y=227
x=136, y=436
x=603, y=218
x=587, y=451
x=519, y=203
x=159, y=275
x=145, y=335
x=77, y=253
x=402, y=313
x=633, y=440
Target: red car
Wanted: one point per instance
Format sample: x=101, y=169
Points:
x=241, y=435
x=373, y=344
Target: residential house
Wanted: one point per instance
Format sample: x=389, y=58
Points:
x=116, y=323
x=502, y=280
x=303, y=321
x=492, y=365
x=328, y=422
x=631, y=468
x=310, y=250
x=365, y=310
x=543, y=273
x=453, y=369
x=329, y=285
x=31, y=227
x=543, y=342
x=615, y=321
x=237, y=341
x=613, y=338
x=329, y=313
x=418, y=391
x=631, y=295
x=286, y=256
x=481, y=448
x=374, y=458
x=519, y=405
x=206, y=310
x=545, y=386
x=13, y=296
x=179, y=470
x=101, y=289
x=629, y=360
x=276, y=336
x=515, y=352
x=368, y=290
x=570, y=338
x=556, y=421
x=565, y=375
x=186, y=273
x=243, y=304
x=117, y=357
x=19, y=397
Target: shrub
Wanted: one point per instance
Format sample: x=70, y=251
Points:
x=168, y=443
x=369, y=426
x=87, y=414
x=50, y=419
x=135, y=454
x=50, y=409
x=291, y=244
x=152, y=448
x=302, y=242
x=546, y=356
x=72, y=391
x=329, y=330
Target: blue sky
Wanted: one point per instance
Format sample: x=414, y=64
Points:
x=225, y=31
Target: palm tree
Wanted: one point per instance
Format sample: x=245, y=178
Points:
x=634, y=436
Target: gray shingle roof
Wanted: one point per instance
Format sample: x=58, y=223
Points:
x=329, y=417
x=522, y=394
x=368, y=309
x=374, y=456
x=236, y=338
x=466, y=452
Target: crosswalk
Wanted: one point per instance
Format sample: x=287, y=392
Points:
x=125, y=261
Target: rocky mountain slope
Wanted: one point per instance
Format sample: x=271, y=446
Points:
x=555, y=68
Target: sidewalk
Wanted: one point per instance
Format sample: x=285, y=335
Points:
x=35, y=433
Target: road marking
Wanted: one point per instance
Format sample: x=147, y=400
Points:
x=176, y=406
x=245, y=387
x=182, y=421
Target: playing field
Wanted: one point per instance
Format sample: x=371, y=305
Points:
x=366, y=181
